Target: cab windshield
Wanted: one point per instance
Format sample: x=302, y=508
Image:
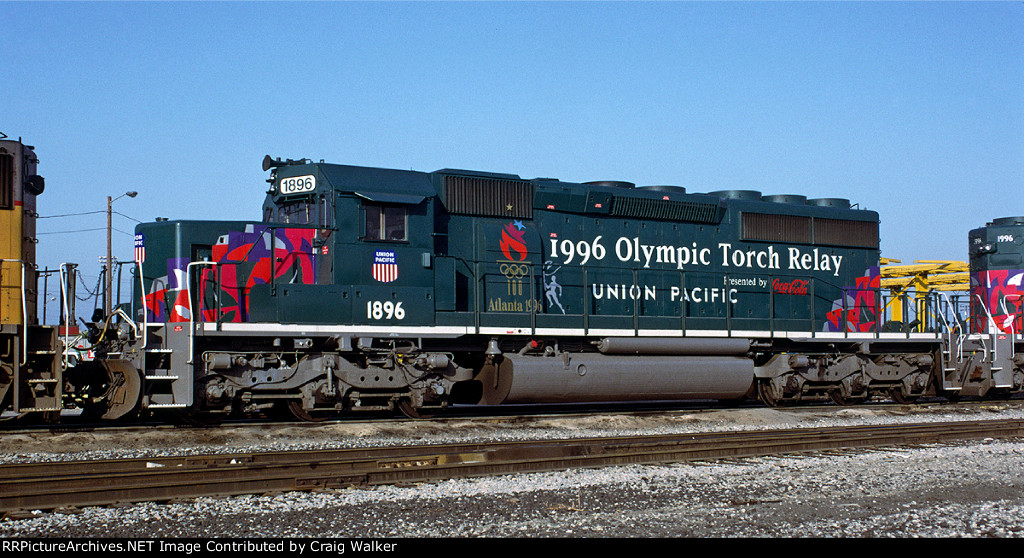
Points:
x=306, y=211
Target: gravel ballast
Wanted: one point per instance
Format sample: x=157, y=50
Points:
x=964, y=489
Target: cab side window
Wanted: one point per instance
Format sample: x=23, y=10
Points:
x=6, y=181
x=297, y=213
x=386, y=222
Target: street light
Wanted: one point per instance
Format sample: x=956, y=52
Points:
x=110, y=263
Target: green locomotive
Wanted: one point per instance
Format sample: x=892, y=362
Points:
x=368, y=289
x=372, y=289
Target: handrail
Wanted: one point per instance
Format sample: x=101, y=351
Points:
x=24, y=312
x=191, y=312
x=145, y=310
x=960, y=337
x=68, y=318
x=818, y=287
x=991, y=326
x=991, y=322
x=1006, y=311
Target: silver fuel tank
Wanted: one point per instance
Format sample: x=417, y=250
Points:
x=580, y=377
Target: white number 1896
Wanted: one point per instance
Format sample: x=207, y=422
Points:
x=386, y=310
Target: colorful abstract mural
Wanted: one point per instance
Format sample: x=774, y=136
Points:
x=1002, y=295
x=858, y=310
x=240, y=260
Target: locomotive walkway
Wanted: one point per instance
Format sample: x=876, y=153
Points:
x=104, y=482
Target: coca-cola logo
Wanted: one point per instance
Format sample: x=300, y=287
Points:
x=794, y=287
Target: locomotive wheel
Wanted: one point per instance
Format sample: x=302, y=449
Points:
x=768, y=393
x=898, y=396
x=6, y=380
x=839, y=399
x=192, y=417
x=999, y=393
x=297, y=411
x=116, y=391
x=6, y=399
x=413, y=412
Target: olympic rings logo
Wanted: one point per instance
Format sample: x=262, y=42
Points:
x=514, y=271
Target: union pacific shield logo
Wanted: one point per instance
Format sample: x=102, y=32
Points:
x=140, y=248
x=385, y=266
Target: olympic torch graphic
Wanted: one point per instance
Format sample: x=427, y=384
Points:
x=513, y=246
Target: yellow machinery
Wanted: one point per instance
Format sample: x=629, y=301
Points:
x=30, y=363
x=909, y=286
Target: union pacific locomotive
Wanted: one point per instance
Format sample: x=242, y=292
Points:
x=368, y=289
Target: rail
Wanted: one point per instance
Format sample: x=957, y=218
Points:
x=959, y=326
x=806, y=314
x=145, y=311
x=84, y=483
x=191, y=313
x=66, y=294
x=855, y=310
x=1006, y=311
x=24, y=310
x=992, y=330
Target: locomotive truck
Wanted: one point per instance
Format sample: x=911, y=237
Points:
x=370, y=289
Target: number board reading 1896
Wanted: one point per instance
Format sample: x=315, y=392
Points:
x=298, y=184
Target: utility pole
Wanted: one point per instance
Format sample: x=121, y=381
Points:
x=107, y=304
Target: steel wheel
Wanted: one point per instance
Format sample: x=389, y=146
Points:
x=838, y=398
x=405, y=406
x=898, y=396
x=768, y=393
x=296, y=409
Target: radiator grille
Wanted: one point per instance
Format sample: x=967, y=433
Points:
x=805, y=230
x=841, y=232
x=777, y=228
x=646, y=208
x=487, y=196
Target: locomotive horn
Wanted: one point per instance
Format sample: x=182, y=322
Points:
x=35, y=184
x=269, y=163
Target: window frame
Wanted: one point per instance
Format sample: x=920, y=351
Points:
x=381, y=212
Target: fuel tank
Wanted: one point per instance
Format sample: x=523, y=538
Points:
x=579, y=377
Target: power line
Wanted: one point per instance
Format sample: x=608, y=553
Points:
x=127, y=217
x=84, y=230
x=87, y=213
x=69, y=214
x=74, y=231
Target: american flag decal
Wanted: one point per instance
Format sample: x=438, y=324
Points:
x=385, y=266
x=140, y=248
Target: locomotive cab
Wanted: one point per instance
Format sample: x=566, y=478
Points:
x=373, y=246
x=997, y=270
x=31, y=372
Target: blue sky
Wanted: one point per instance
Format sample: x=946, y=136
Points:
x=915, y=110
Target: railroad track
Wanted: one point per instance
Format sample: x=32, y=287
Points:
x=85, y=483
x=492, y=413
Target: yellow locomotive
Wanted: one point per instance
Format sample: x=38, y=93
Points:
x=30, y=356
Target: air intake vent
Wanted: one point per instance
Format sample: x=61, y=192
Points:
x=776, y=228
x=805, y=230
x=841, y=232
x=668, y=210
x=472, y=195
